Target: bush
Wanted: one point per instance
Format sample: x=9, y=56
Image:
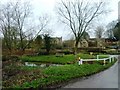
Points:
x=42, y=53
x=94, y=49
x=66, y=52
x=8, y=57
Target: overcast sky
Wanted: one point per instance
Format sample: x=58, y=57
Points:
x=41, y=7
x=48, y=6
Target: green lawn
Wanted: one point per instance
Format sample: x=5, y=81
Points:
x=34, y=77
x=53, y=59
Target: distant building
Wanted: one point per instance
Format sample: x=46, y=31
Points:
x=101, y=42
x=111, y=42
x=71, y=43
x=92, y=42
x=56, y=41
x=68, y=43
x=83, y=43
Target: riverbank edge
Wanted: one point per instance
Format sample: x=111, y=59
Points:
x=61, y=85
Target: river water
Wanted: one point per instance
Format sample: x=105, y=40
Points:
x=40, y=64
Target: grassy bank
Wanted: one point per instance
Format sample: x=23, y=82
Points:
x=53, y=59
x=35, y=77
x=104, y=56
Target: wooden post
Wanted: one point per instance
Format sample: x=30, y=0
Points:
x=109, y=59
x=113, y=59
x=80, y=61
x=97, y=57
x=104, y=62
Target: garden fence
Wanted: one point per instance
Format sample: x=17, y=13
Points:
x=109, y=57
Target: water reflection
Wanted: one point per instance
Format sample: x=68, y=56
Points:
x=30, y=64
x=40, y=64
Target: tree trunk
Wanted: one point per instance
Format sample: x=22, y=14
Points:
x=22, y=51
x=76, y=47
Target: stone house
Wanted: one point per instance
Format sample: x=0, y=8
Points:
x=83, y=43
x=56, y=41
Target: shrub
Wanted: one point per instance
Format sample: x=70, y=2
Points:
x=8, y=57
x=66, y=52
x=42, y=53
x=94, y=49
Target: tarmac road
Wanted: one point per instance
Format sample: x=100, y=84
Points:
x=105, y=79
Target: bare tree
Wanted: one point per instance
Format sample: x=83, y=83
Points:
x=21, y=14
x=99, y=32
x=110, y=29
x=78, y=15
x=6, y=23
x=43, y=23
x=13, y=20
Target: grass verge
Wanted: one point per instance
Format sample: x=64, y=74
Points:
x=53, y=76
